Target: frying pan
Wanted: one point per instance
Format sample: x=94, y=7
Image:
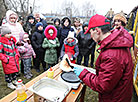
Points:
x=70, y=77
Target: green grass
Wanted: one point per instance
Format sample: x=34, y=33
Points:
x=3, y=85
x=90, y=95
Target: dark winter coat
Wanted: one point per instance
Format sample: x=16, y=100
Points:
x=37, y=40
x=57, y=27
x=9, y=55
x=85, y=43
x=64, y=30
x=114, y=68
x=28, y=27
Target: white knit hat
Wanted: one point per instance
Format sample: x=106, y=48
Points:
x=71, y=34
x=5, y=30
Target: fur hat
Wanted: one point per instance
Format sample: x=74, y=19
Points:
x=5, y=30
x=96, y=21
x=120, y=17
x=46, y=32
x=70, y=35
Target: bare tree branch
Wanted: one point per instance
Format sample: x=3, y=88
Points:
x=4, y=2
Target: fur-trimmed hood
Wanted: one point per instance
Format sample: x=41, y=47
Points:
x=8, y=14
x=48, y=35
x=74, y=42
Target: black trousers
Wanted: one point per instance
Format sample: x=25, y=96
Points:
x=10, y=77
x=40, y=59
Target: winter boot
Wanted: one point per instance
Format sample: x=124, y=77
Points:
x=10, y=85
x=15, y=82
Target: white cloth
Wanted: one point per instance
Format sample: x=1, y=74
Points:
x=52, y=41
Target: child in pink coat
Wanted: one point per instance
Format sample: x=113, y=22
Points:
x=26, y=52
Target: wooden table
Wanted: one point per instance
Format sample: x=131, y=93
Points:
x=73, y=95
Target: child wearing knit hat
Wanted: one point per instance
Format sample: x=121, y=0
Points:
x=37, y=40
x=9, y=56
x=70, y=47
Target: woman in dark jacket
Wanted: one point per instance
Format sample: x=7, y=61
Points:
x=66, y=27
x=86, y=44
x=29, y=26
x=37, y=40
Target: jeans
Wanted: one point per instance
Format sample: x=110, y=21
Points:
x=86, y=59
x=92, y=56
x=27, y=65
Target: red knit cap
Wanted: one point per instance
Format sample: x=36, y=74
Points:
x=96, y=21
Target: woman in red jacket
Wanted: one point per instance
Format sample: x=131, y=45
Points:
x=114, y=78
x=9, y=56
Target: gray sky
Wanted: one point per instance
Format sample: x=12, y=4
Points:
x=101, y=6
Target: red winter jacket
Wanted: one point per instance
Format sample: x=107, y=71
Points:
x=113, y=79
x=71, y=49
x=9, y=55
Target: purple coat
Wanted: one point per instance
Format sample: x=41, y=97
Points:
x=26, y=50
x=114, y=68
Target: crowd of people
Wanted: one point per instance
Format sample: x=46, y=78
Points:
x=36, y=42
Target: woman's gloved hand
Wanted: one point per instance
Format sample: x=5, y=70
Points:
x=77, y=70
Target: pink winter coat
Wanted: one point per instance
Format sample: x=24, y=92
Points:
x=113, y=79
x=26, y=51
x=9, y=55
x=16, y=28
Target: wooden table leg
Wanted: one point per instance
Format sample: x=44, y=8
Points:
x=83, y=94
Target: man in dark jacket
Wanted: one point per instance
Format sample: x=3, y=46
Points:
x=39, y=19
x=114, y=68
x=86, y=44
